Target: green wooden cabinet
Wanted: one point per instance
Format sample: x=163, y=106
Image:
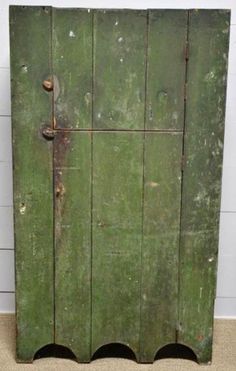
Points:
x=118, y=125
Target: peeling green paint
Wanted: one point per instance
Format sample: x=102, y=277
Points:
x=118, y=123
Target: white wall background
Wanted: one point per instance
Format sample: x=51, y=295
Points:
x=226, y=285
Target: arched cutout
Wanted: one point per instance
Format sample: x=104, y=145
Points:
x=54, y=350
x=176, y=350
x=114, y=350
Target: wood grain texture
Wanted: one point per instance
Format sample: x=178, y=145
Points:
x=128, y=254
x=72, y=179
x=160, y=250
x=208, y=43
x=119, y=68
x=117, y=227
x=72, y=67
x=166, y=69
x=33, y=199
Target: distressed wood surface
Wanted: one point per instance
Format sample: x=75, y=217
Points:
x=119, y=68
x=160, y=251
x=72, y=67
x=117, y=228
x=166, y=69
x=205, y=106
x=72, y=179
x=122, y=265
x=33, y=199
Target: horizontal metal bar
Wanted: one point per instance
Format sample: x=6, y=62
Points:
x=168, y=131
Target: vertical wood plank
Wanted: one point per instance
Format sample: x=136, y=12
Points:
x=72, y=178
x=72, y=67
x=33, y=205
x=208, y=43
x=166, y=69
x=160, y=251
x=117, y=227
x=119, y=68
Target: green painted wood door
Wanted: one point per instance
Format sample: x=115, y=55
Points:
x=118, y=122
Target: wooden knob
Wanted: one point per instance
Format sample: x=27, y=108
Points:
x=48, y=133
x=48, y=85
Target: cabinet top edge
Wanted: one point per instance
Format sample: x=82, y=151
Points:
x=221, y=10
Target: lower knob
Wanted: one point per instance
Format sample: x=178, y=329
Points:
x=48, y=133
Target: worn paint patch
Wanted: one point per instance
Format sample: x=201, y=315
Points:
x=22, y=208
x=71, y=34
x=153, y=184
